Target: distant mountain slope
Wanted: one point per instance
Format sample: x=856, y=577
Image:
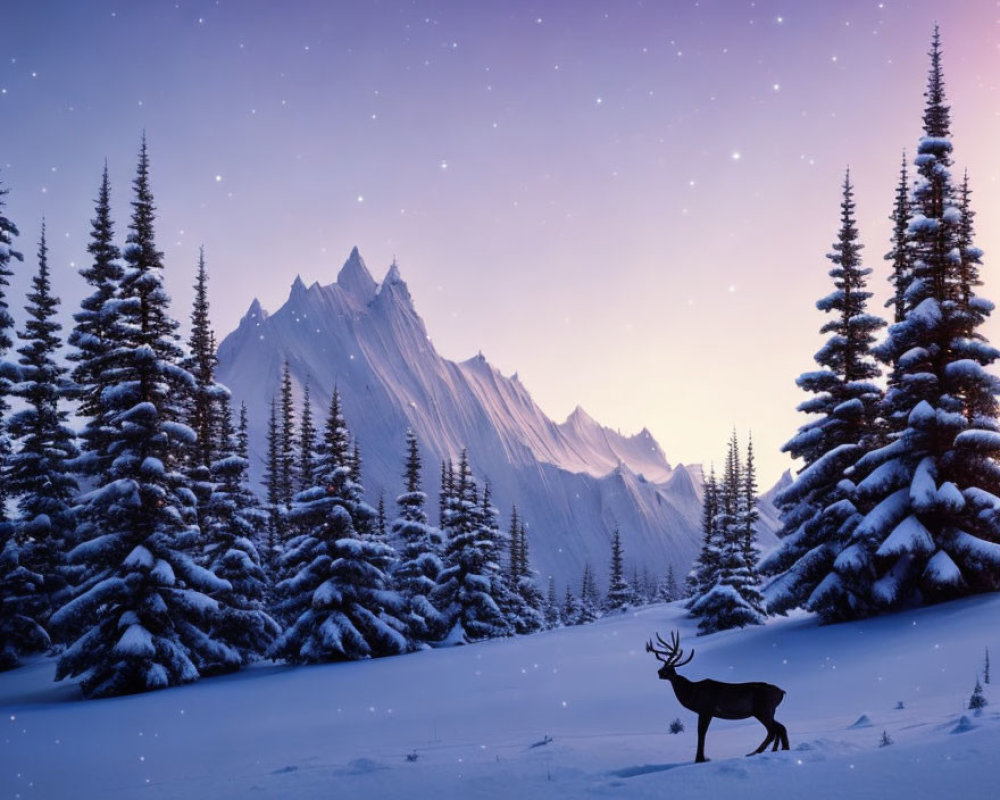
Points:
x=573, y=482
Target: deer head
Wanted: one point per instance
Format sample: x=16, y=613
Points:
x=669, y=655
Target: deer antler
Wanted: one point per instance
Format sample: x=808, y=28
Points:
x=671, y=653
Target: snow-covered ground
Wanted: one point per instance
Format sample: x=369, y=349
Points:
x=475, y=722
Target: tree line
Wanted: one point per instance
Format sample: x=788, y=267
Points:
x=135, y=548
x=897, y=503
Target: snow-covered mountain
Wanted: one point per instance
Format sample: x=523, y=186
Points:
x=573, y=482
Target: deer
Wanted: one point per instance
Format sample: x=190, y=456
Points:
x=708, y=698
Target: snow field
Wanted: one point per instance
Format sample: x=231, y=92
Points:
x=477, y=717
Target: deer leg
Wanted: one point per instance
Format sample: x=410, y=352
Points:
x=703, y=720
x=772, y=736
x=782, y=736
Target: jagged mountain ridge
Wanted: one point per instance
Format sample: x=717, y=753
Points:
x=573, y=482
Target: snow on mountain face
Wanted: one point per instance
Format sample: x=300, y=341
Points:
x=573, y=482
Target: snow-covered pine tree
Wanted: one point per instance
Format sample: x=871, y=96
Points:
x=8, y=230
x=749, y=514
x=553, y=612
x=419, y=565
x=143, y=611
x=207, y=402
x=816, y=565
x=286, y=452
x=230, y=523
x=570, y=608
x=20, y=632
x=38, y=474
x=531, y=604
x=734, y=600
x=667, y=591
x=619, y=593
x=276, y=524
x=465, y=590
x=90, y=341
x=901, y=255
x=306, y=443
x=932, y=524
x=590, y=597
x=702, y=575
x=336, y=598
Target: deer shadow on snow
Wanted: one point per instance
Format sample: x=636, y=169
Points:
x=710, y=698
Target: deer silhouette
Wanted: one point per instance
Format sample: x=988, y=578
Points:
x=708, y=698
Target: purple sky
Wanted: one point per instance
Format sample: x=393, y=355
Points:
x=626, y=203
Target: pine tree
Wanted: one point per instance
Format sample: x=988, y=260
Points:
x=900, y=256
x=143, y=612
x=7, y=233
x=986, y=668
x=420, y=563
x=818, y=565
x=978, y=700
x=571, y=608
x=703, y=573
x=276, y=527
x=205, y=405
x=734, y=599
x=668, y=591
x=530, y=604
x=306, y=443
x=619, y=594
x=38, y=474
x=590, y=597
x=20, y=632
x=229, y=523
x=466, y=586
x=931, y=525
x=90, y=337
x=286, y=452
x=553, y=613
x=337, y=596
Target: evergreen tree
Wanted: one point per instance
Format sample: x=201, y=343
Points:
x=208, y=399
x=420, y=563
x=229, y=524
x=286, y=452
x=978, y=700
x=553, y=613
x=702, y=575
x=817, y=565
x=900, y=256
x=143, y=612
x=38, y=473
x=667, y=591
x=306, y=443
x=932, y=530
x=529, y=603
x=571, y=608
x=20, y=632
x=466, y=586
x=590, y=597
x=337, y=596
x=91, y=340
x=276, y=528
x=734, y=600
x=619, y=594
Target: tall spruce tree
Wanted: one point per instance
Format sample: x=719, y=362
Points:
x=464, y=593
x=532, y=608
x=38, y=474
x=20, y=632
x=276, y=523
x=619, y=593
x=734, y=599
x=702, y=575
x=818, y=511
x=8, y=230
x=143, y=612
x=229, y=523
x=336, y=598
x=91, y=340
x=306, y=443
x=932, y=529
x=286, y=453
x=419, y=566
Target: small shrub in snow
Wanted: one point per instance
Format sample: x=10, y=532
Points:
x=886, y=740
x=900, y=706
x=978, y=700
x=677, y=726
